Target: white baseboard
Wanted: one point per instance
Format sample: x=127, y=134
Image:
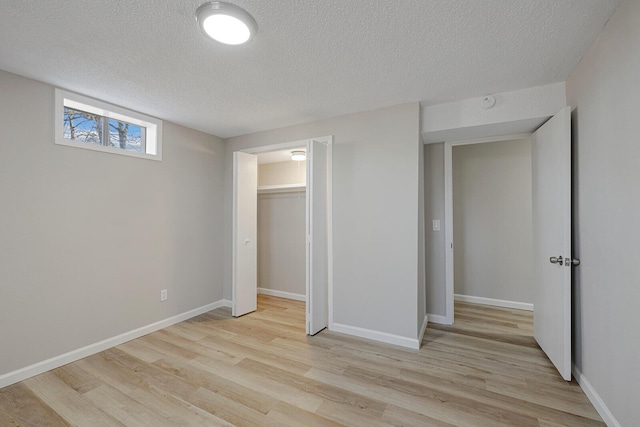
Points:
x=282, y=294
x=63, y=359
x=376, y=335
x=495, y=302
x=439, y=319
x=423, y=329
x=595, y=399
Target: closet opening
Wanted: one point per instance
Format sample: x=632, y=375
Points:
x=282, y=228
x=281, y=242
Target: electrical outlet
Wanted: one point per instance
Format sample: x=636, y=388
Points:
x=436, y=225
x=163, y=295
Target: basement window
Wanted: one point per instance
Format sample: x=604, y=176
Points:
x=95, y=125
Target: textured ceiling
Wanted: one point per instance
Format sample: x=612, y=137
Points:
x=310, y=59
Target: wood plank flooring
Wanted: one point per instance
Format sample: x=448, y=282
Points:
x=262, y=370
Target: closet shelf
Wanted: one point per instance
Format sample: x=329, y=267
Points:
x=282, y=188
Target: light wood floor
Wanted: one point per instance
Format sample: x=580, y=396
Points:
x=261, y=370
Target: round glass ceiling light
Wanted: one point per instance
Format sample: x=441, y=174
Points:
x=226, y=23
x=298, y=156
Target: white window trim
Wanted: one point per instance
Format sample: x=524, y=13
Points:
x=153, y=126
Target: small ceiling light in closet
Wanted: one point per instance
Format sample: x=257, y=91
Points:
x=226, y=23
x=298, y=156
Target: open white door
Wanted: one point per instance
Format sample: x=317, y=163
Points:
x=551, y=185
x=317, y=237
x=245, y=226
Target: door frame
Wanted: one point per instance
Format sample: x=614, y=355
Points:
x=304, y=143
x=448, y=318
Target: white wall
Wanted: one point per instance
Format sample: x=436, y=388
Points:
x=278, y=173
x=89, y=239
x=604, y=91
x=492, y=220
x=435, y=240
x=516, y=111
x=375, y=214
x=281, y=229
x=281, y=242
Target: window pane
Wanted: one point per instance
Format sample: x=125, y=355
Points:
x=82, y=126
x=87, y=127
x=95, y=125
x=126, y=136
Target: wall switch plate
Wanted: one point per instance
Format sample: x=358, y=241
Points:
x=163, y=295
x=436, y=225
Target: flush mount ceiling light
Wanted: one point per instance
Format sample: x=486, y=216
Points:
x=298, y=156
x=226, y=23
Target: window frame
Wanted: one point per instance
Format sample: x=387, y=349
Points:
x=153, y=126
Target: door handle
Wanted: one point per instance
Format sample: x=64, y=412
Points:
x=556, y=260
x=567, y=262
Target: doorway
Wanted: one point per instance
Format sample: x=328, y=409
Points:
x=317, y=233
x=551, y=229
x=450, y=234
x=492, y=223
x=282, y=224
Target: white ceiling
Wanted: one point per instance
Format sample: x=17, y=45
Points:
x=309, y=60
x=278, y=156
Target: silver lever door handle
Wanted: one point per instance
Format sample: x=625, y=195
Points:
x=556, y=260
x=568, y=262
